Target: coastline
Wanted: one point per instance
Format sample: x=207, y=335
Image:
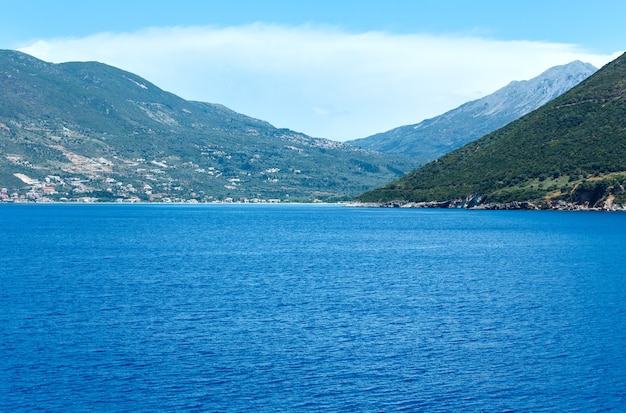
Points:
x=509, y=206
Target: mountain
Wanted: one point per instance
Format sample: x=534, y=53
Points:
x=571, y=150
x=434, y=137
x=88, y=130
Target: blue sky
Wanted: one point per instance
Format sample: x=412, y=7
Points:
x=334, y=69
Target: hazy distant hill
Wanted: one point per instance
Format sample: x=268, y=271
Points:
x=434, y=137
x=88, y=129
x=572, y=149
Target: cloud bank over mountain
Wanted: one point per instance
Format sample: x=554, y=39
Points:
x=319, y=80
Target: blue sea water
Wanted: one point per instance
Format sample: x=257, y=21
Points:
x=124, y=308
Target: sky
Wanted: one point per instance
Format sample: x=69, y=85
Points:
x=338, y=69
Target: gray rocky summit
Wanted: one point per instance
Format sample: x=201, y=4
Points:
x=437, y=136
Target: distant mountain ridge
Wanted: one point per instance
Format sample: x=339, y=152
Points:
x=568, y=154
x=89, y=130
x=437, y=136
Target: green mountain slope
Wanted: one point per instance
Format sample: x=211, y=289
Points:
x=91, y=130
x=572, y=149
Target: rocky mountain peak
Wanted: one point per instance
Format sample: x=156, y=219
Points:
x=437, y=136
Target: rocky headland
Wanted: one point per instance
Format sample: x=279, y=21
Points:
x=559, y=205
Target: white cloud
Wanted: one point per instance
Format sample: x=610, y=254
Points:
x=319, y=80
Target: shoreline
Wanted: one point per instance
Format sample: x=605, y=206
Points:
x=509, y=206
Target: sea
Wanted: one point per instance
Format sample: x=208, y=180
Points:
x=310, y=308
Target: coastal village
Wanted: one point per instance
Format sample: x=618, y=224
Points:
x=90, y=180
x=55, y=189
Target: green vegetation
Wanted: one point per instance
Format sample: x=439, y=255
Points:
x=91, y=130
x=573, y=145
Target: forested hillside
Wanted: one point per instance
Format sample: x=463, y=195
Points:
x=572, y=149
x=91, y=131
